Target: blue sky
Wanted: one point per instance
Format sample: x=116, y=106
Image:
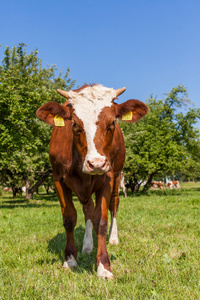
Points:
x=149, y=46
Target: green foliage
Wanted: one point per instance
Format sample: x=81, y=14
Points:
x=24, y=86
x=160, y=142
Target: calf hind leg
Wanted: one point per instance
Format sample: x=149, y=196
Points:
x=114, y=204
x=88, y=210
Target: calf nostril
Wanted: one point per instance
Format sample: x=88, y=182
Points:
x=90, y=165
x=103, y=165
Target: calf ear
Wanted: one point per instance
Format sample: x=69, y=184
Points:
x=131, y=111
x=50, y=110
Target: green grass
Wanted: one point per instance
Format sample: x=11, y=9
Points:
x=158, y=256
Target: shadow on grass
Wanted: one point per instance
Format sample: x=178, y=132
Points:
x=196, y=189
x=42, y=199
x=24, y=204
x=86, y=263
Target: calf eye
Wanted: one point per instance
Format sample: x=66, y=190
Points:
x=77, y=130
x=74, y=125
x=111, y=126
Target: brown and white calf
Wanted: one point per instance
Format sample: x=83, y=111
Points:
x=173, y=184
x=87, y=154
x=157, y=185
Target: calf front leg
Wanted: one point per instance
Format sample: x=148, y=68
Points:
x=69, y=222
x=101, y=226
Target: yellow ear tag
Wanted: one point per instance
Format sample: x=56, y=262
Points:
x=59, y=121
x=127, y=116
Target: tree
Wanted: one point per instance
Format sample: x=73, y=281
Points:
x=159, y=143
x=24, y=86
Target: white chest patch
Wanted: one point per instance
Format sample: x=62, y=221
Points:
x=88, y=103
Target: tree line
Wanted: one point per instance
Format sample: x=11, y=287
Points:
x=24, y=140
x=164, y=143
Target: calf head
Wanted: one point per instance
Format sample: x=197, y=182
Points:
x=93, y=114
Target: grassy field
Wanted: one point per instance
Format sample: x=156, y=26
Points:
x=158, y=256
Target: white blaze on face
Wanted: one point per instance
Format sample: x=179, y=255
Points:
x=88, y=104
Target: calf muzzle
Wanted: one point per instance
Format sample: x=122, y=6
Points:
x=97, y=166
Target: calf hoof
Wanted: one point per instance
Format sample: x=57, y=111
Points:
x=113, y=240
x=70, y=263
x=103, y=273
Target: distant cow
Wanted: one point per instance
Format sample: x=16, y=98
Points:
x=169, y=185
x=157, y=185
x=160, y=184
x=174, y=184
x=7, y=189
x=87, y=154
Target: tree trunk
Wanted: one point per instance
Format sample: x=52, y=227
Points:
x=135, y=185
x=148, y=184
x=14, y=191
x=30, y=190
x=29, y=193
